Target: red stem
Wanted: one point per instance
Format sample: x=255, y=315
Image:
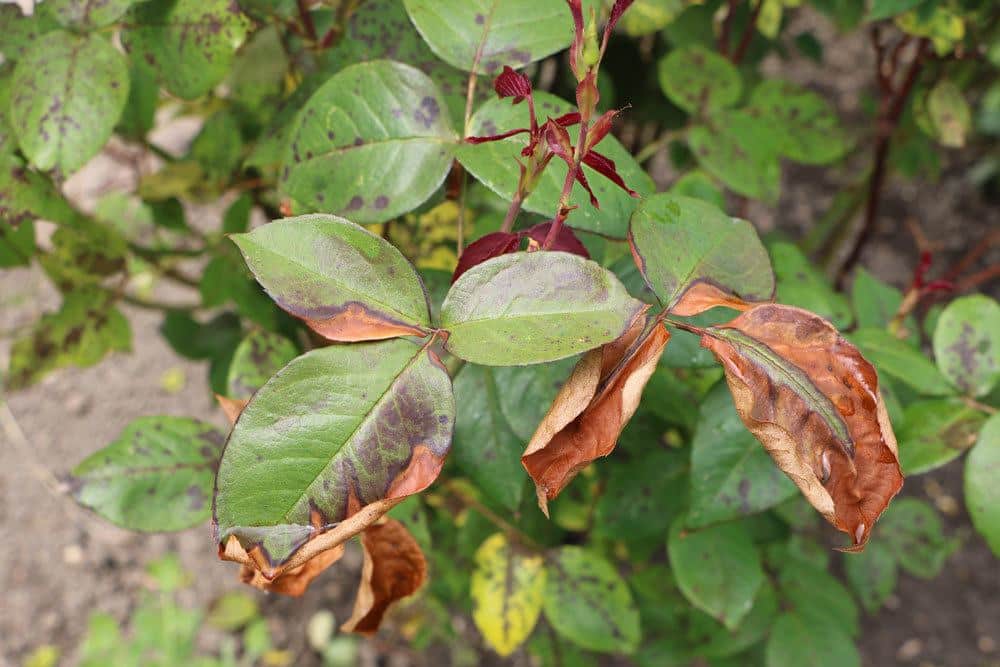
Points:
x=727, y=24
x=748, y=31
x=562, y=210
x=307, y=21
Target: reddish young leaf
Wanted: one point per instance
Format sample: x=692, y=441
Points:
x=510, y=83
x=566, y=240
x=569, y=119
x=394, y=568
x=557, y=139
x=576, y=48
x=496, y=137
x=605, y=166
x=813, y=401
x=592, y=408
x=616, y=13
x=587, y=94
x=489, y=246
x=601, y=127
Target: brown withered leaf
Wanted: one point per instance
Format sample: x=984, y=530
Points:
x=813, y=401
x=702, y=296
x=394, y=568
x=592, y=408
x=231, y=407
x=293, y=576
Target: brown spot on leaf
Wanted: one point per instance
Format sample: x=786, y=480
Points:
x=355, y=321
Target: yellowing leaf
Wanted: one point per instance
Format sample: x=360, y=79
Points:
x=508, y=590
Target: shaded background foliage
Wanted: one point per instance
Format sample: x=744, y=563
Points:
x=773, y=557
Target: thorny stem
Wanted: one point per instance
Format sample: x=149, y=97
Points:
x=890, y=110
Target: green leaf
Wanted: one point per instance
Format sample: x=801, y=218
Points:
x=259, y=356
x=588, y=603
x=528, y=391
x=640, y=498
x=486, y=448
x=741, y=151
x=495, y=164
x=982, y=493
x=884, y=9
x=218, y=146
x=85, y=329
x=936, y=432
x=344, y=281
x=949, y=114
x=815, y=595
x=902, y=361
x=84, y=256
x=88, y=14
x=157, y=476
x=502, y=32
x=698, y=80
x=967, y=343
x=796, y=642
x=699, y=185
x=807, y=127
x=646, y=17
x=872, y=574
x=365, y=421
x=731, y=474
x=138, y=116
x=190, y=43
x=258, y=73
x=372, y=143
x=20, y=32
x=682, y=244
x=527, y=308
x=233, y=611
x=801, y=284
x=717, y=568
x=875, y=302
x=381, y=29
x=70, y=92
x=913, y=531
x=17, y=244
x=507, y=590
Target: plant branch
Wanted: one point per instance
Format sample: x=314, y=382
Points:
x=890, y=110
x=748, y=32
x=563, y=208
x=511, y=530
x=727, y=24
x=153, y=304
x=306, y=18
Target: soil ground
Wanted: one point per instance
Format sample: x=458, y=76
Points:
x=59, y=563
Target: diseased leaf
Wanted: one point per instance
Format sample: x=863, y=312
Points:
x=587, y=602
x=85, y=329
x=717, y=568
x=528, y=308
x=800, y=284
x=88, y=13
x=495, y=165
x=26, y=195
x=698, y=80
x=326, y=447
x=872, y=574
x=190, y=43
x=20, y=31
x=731, y=476
x=936, y=432
x=486, y=448
x=67, y=94
x=902, y=361
x=592, y=408
x=394, y=568
x=17, y=244
x=258, y=357
x=795, y=642
x=507, y=590
x=345, y=282
x=291, y=581
x=741, y=151
x=694, y=256
x=374, y=142
x=967, y=343
x=949, y=113
x=982, y=493
x=502, y=32
x=157, y=476
x=381, y=29
x=813, y=401
x=914, y=533
x=807, y=127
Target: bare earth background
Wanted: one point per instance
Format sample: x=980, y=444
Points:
x=59, y=563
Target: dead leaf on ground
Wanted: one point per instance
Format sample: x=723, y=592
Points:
x=813, y=401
